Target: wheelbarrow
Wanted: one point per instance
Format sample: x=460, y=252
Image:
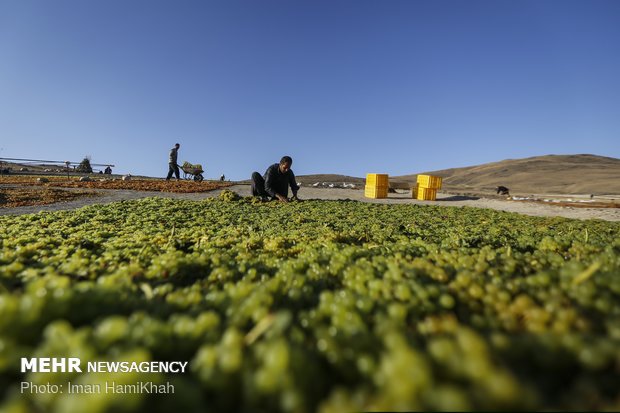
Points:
x=191, y=171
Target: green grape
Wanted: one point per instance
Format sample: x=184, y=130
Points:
x=316, y=306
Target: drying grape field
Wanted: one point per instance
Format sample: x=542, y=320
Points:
x=134, y=184
x=327, y=306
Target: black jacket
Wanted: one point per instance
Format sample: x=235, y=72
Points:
x=172, y=158
x=277, y=182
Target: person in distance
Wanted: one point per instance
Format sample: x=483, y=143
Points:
x=274, y=184
x=173, y=168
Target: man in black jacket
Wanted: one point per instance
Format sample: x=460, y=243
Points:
x=173, y=168
x=276, y=181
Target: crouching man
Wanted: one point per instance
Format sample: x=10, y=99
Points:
x=274, y=184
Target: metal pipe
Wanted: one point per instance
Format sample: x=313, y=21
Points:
x=62, y=162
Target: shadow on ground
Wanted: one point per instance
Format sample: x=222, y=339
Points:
x=459, y=198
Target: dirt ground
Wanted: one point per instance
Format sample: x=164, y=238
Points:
x=306, y=193
x=19, y=196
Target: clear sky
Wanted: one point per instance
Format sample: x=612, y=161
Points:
x=342, y=86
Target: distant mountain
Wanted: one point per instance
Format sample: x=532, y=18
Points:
x=550, y=174
x=329, y=178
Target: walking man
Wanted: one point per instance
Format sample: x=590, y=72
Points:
x=173, y=167
x=276, y=181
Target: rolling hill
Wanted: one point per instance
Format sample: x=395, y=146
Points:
x=549, y=174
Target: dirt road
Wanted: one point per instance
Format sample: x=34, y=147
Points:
x=528, y=208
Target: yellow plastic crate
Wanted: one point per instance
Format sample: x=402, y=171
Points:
x=380, y=180
x=371, y=191
x=424, y=194
x=429, y=181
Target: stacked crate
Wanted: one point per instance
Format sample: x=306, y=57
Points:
x=376, y=186
x=426, y=187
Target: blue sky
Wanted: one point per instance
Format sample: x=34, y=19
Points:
x=346, y=87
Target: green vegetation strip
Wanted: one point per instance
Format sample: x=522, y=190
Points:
x=323, y=306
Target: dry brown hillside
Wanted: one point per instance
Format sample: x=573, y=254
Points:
x=550, y=174
x=329, y=178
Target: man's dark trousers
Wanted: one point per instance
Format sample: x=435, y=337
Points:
x=258, y=185
x=173, y=168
